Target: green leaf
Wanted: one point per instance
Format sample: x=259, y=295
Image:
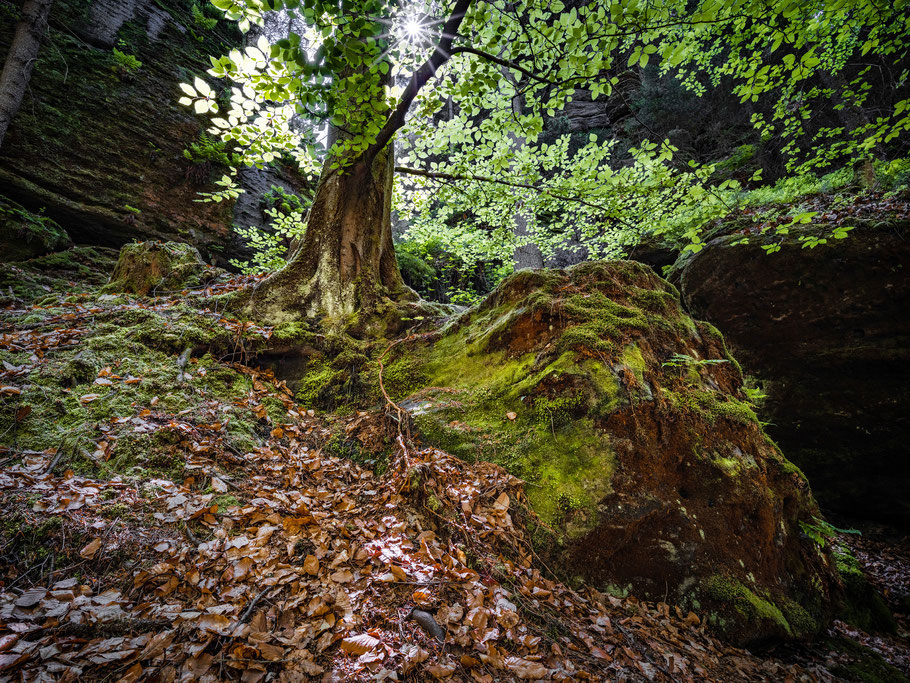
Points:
x=201, y=87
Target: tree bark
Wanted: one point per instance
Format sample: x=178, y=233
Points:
x=345, y=270
x=346, y=263
x=20, y=60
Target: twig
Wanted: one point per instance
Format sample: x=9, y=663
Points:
x=247, y=614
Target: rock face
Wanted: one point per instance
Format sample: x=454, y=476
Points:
x=159, y=268
x=827, y=330
x=646, y=466
x=100, y=146
x=25, y=235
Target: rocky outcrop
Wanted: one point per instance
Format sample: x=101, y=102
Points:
x=99, y=141
x=644, y=462
x=826, y=331
x=25, y=235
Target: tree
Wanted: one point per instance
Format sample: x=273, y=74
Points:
x=20, y=60
x=347, y=68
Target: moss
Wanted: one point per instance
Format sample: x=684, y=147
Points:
x=728, y=591
x=226, y=501
x=710, y=405
x=600, y=321
x=863, y=605
x=293, y=332
x=404, y=376
x=631, y=357
x=862, y=663
x=711, y=332
x=318, y=377
x=654, y=300
x=158, y=267
x=115, y=511
x=75, y=270
x=24, y=234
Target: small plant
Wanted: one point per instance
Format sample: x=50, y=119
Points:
x=131, y=209
x=679, y=360
x=204, y=155
x=125, y=64
x=202, y=21
x=271, y=247
x=754, y=392
x=821, y=531
x=207, y=149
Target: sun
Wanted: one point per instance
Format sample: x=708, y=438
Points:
x=413, y=29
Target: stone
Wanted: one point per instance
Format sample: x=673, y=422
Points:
x=826, y=333
x=647, y=470
x=159, y=268
x=25, y=235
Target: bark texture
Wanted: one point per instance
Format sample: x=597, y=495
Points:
x=21, y=59
x=346, y=262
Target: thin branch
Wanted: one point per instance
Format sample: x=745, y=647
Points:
x=436, y=175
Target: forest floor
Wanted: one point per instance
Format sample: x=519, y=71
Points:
x=169, y=516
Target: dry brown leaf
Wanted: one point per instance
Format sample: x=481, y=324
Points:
x=524, y=668
x=359, y=644
x=311, y=565
x=216, y=623
x=91, y=549
x=31, y=597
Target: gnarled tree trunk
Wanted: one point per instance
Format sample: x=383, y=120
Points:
x=21, y=59
x=346, y=263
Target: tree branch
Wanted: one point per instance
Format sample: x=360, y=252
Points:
x=436, y=175
x=419, y=78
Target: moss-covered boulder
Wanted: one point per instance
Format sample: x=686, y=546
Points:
x=826, y=333
x=643, y=460
x=25, y=235
x=158, y=268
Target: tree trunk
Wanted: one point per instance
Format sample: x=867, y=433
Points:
x=20, y=60
x=346, y=263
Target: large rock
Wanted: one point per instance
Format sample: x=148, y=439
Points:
x=627, y=419
x=159, y=268
x=828, y=331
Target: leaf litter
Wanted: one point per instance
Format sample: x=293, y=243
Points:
x=285, y=563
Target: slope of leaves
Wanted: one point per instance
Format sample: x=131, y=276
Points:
x=279, y=562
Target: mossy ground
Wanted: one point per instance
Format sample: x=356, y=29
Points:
x=131, y=373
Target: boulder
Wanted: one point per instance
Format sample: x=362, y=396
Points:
x=646, y=467
x=25, y=235
x=826, y=331
x=159, y=268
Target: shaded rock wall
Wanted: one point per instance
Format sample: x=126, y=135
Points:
x=828, y=331
x=100, y=148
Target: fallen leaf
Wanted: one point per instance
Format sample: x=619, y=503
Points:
x=359, y=644
x=91, y=549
